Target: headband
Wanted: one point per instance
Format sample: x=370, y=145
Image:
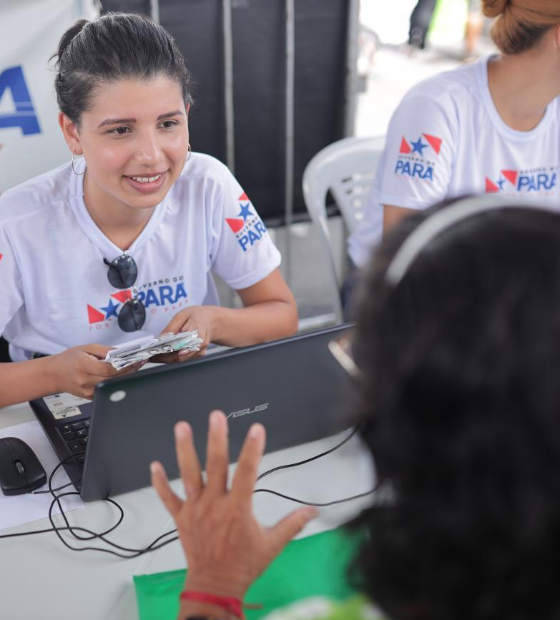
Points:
x=439, y=222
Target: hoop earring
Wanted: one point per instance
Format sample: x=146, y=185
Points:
x=79, y=174
x=189, y=152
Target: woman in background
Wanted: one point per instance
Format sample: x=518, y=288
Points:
x=489, y=127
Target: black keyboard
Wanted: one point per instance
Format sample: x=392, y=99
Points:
x=76, y=437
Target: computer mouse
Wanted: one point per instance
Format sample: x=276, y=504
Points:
x=20, y=469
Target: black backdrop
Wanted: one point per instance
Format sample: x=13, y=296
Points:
x=259, y=85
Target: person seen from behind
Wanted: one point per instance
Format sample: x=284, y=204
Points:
x=457, y=350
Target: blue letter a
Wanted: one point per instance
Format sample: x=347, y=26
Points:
x=24, y=115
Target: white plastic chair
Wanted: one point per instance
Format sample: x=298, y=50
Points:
x=346, y=168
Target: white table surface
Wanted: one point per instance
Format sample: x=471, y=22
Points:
x=40, y=578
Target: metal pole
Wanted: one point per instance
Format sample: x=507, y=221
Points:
x=154, y=10
x=228, y=84
x=351, y=82
x=350, y=90
x=289, y=137
x=227, y=33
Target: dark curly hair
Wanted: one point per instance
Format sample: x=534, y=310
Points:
x=115, y=46
x=460, y=406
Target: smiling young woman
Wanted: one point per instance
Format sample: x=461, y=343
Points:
x=135, y=140
x=122, y=241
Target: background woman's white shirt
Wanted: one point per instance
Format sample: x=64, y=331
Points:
x=55, y=291
x=446, y=139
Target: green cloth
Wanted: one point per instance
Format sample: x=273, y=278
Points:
x=312, y=566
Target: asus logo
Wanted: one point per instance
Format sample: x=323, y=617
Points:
x=238, y=414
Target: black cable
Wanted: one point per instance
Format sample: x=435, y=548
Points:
x=156, y=544
x=313, y=458
x=64, y=486
x=56, y=499
x=47, y=531
x=301, y=501
x=131, y=553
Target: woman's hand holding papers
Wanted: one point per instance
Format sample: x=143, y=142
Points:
x=79, y=369
x=226, y=547
x=195, y=318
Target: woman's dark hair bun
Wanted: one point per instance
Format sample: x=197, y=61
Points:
x=113, y=47
x=68, y=37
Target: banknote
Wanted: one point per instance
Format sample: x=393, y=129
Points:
x=143, y=349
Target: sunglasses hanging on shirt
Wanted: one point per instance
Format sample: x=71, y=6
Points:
x=122, y=274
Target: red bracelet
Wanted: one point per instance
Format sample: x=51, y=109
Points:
x=232, y=605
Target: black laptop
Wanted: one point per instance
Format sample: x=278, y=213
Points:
x=294, y=387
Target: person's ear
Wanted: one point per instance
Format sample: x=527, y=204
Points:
x=70, y=133
x=557, y=36
x=188, y=109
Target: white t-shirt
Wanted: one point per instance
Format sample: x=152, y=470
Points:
x=54, y=291
x=446, y=139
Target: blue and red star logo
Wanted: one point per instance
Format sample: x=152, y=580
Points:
x=96, y=316
x=237, y=223
x=410, y=147
x=498, y=186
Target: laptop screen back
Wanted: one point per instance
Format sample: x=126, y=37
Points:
x=294, y=387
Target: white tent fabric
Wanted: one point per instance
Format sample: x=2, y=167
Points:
x=30, y=139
